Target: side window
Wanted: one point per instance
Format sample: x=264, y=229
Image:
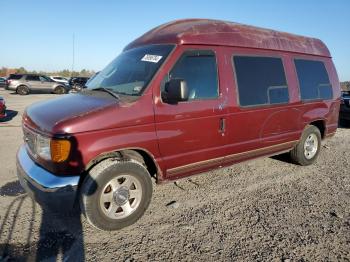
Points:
x=43, y=79
x=32, y=78
x=199, y=70
x=313, y=80
x=260, y=80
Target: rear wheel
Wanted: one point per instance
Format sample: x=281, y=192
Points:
x=60, y=90
x=22, y=90
x=115, y=194
x=307, y=150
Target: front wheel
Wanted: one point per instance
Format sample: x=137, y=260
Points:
x=59, y=90
x=115, y=194
x=306, y=151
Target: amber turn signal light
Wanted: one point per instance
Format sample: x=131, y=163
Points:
x=60, y=149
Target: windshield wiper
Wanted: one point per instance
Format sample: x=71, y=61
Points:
x=107, y=91
x=126, y=94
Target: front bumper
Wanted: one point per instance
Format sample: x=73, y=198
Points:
x=56, y=193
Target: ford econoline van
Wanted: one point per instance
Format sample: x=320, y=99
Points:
x=186, y=97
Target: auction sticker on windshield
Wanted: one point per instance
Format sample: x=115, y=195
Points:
x=151, y=58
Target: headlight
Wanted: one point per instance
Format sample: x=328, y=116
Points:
x=43, y=147
x=53, y=149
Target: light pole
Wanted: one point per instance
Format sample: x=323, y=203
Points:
x=73, y=55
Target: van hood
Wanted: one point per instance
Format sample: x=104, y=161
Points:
x=46, y=116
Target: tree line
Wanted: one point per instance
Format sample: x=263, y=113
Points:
x=345, y=85
x=65, y=73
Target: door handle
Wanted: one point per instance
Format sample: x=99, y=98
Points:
x=222, y=125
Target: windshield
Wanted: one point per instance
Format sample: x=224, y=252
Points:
x=132, y=70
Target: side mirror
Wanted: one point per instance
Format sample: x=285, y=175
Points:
x=175, y=91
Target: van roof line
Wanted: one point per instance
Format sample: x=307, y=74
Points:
x=216, y=32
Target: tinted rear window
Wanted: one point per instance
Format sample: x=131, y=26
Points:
x=15, y=77
x=261, y=80
x=313, y=80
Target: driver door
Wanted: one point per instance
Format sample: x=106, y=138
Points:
x=191, y=134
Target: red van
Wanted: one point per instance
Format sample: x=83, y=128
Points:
x=186, y=97
x=2, y=108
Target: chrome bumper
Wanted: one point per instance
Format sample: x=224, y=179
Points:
x=51, y=191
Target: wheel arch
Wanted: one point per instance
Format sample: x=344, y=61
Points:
x=321, y=125
x=139, y=154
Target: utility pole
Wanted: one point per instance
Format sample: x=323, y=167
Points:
x=73, y=55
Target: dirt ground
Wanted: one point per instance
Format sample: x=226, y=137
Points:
x=265, y=210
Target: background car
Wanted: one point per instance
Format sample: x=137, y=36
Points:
x=344, y=113
x=25, y=83
x=78, y=83
x=2, y=108
x=60, y=79
x=3, y=82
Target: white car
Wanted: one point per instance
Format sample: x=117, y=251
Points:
x=60, y=79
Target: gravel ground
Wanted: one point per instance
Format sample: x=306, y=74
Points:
x=265, y=210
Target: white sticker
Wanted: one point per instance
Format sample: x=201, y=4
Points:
x=137, y=88
x=151, y=58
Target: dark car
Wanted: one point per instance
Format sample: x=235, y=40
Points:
x=183, y=99
x=2, y=108
x=78, y=83
x=3, y=82
x=344, y=113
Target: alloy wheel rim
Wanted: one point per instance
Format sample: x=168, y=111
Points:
x=22, y=90
x=310, y=146
x=121, y=196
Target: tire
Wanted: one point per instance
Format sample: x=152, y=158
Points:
x=306, y=151
x=106, y=195
x=22, y=90
x=59, y=90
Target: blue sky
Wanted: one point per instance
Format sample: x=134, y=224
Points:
x=38, y=34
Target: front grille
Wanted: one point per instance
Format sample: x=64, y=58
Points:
x=29, y=140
